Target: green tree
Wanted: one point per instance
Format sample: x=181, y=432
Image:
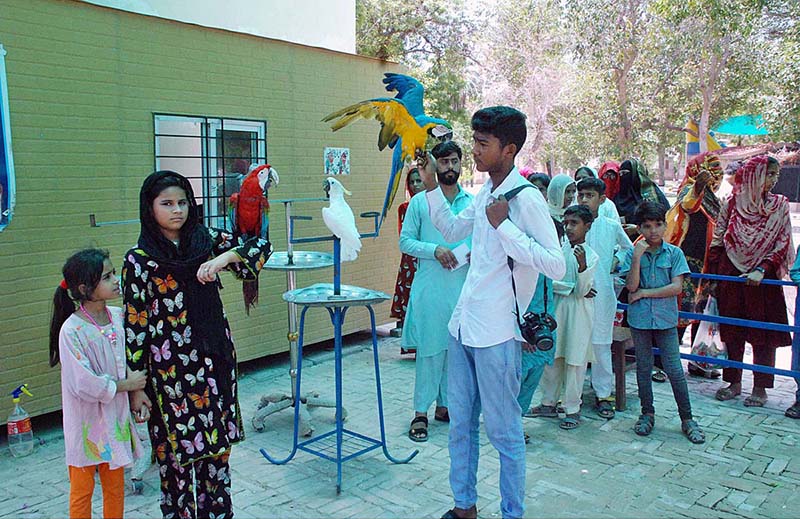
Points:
x=718, y=41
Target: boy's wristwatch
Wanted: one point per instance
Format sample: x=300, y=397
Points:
x=759, y=269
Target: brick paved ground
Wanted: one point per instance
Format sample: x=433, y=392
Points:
x=749, y=466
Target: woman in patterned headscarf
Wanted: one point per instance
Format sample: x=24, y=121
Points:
x=752, y=239
x=690, y=226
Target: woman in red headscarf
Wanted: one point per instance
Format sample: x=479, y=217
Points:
x=609, y=173
x=408, y=264
x=690, y=226
x=752, y=239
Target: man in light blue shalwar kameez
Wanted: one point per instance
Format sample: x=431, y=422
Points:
x=434, y=291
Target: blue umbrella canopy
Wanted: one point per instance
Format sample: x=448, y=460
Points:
x=742, y=125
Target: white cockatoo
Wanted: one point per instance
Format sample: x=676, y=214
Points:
x=339, y=219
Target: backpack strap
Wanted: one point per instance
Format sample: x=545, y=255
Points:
x=509, y=195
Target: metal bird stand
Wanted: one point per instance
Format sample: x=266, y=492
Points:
x=340, y=444
x=291, y=262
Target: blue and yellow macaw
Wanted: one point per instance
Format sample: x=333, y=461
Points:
x=404, y=126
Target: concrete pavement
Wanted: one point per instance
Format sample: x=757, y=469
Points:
x=748, y=467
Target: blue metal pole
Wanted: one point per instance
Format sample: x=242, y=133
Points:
x=337, y=348
x=337, y=267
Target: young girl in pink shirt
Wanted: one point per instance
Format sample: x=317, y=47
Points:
x=86, y=336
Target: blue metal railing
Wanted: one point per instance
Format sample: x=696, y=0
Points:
x=747, y=324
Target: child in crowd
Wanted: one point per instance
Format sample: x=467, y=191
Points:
x=89, y=342
x=541, y=182
x=655, y=279
x=606, y=237
x=177, y=330
x=574, y=315
x=607, y=207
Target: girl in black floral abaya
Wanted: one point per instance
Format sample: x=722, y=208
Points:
x=176, y=329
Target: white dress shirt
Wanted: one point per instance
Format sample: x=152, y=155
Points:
x=484, y=314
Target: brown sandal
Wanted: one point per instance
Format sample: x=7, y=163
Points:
x=726, y=393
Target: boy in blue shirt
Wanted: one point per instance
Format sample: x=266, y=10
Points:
x=654, y=282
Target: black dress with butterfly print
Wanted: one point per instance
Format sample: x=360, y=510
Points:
x=199, y=414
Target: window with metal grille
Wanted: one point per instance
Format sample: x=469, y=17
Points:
x=213, y=153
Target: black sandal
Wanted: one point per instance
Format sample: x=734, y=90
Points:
x=794, y=411
x=605, y=409
x=644, y=425
x=658, y=376
x=418, y=431
x=693, y=432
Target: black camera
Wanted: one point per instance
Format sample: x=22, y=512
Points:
x=537, y=330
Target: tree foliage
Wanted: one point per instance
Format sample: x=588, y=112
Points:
x=598, y=79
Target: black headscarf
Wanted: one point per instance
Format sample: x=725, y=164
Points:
x=634, y=187
x=203, y=304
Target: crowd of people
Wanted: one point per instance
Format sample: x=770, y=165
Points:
x=498, y=294
x=567, y=252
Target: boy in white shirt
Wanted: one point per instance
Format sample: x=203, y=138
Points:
x=608, y=239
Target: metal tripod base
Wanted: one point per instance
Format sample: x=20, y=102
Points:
x=340, y=444
x=276, y=402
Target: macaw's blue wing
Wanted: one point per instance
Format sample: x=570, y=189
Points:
x=408, y=89
x=394, y=182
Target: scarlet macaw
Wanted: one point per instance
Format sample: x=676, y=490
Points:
x=404, y=125
x=249, y=215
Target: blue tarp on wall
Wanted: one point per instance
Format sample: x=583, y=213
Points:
x=7, y=184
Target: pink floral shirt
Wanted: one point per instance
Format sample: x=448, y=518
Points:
x=97, y=421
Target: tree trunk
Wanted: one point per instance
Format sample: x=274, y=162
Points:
x=624, y=135
x=661, y=162
x=705, y=115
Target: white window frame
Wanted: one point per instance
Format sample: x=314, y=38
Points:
x=209, y=153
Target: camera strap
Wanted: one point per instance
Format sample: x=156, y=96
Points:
x=509, y=196
x=514, y=288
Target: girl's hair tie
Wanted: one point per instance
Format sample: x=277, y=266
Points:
x=63, y=284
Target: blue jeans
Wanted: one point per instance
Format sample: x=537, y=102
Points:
x=667, y=342
x=486, y=379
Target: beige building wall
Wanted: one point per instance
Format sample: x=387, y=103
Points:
x=84, y=83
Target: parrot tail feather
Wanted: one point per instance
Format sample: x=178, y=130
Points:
x=250, y=293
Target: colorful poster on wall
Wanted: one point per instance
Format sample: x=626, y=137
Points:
x=337, y=161
x=7, y=184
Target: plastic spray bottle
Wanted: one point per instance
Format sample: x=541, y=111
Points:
x=20, y=434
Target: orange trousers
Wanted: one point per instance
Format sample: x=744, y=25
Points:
x=81, y=488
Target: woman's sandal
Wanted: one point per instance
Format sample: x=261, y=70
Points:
x=644, y=425
x=794, y=411
x=755, y=401
x=726, y=393
x=544, y=411
x=571, y=421
x=442, y=417
x=693, y=432
x=418, y=431
x=605, y=409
